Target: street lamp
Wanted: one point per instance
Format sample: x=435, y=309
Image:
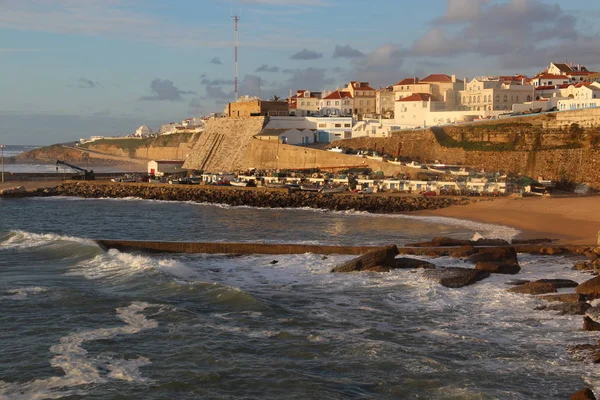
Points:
x=2, y=146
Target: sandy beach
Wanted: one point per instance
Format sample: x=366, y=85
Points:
x=573, y=220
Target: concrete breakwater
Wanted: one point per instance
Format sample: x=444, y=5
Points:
x=252, y=197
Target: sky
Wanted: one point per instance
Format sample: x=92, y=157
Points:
x=77, y=68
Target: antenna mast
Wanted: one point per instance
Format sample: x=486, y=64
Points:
x=236, y=19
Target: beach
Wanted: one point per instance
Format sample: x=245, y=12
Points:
x=573, y=220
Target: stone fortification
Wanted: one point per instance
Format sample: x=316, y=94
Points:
x=228, y=144
x=225, y=144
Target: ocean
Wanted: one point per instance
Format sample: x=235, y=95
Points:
x=78, y=322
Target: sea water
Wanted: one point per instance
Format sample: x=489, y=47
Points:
x=78, y=321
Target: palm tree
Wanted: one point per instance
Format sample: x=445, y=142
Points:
x=275, y=98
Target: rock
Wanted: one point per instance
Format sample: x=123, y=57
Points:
x=490, y=242
x=532, y=241
x=583, y=266
x=441, y=241
x=551, y=250
x=564, y=297
x=584, y=394
x=591, y=255
x=578, y=308
x=14, y=190
x=324, y=258
x=516, y=282
x=498, y=267
x=560, y=283
x=454, y=277
x=590, y=325
x=381, y=257
x=590, y=288
x=503, y=254
x=274, y=262
x=463, y=252
x=410, y=263
x=534, y=288
x=593, y=313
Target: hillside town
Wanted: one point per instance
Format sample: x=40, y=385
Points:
x=359, y=110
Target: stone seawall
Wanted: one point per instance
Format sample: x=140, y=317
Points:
x=253, y=197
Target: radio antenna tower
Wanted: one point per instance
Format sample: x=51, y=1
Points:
x=236, y=19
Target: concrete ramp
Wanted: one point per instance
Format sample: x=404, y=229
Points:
x=224, y=145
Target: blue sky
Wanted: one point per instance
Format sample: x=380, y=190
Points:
x=75, y=68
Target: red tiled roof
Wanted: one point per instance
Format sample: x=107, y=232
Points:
x=408, y=81
x=361, y=85
x=438, y=78
x=582, y=73
x=337, y=95
x=549, y=87
x=418, y=97
x=550, y=76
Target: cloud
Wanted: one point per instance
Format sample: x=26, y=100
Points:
x=381, y=67
x=165, y=90
x=196, y=107
x=305, y=55
x=483, y=28
x=267, y=68
x=307, y=78
x=346, y=52
x=284, y=3
x=216, y=82
x=216, y=60
x=84, y=83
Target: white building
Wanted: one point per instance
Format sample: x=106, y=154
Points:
x=299, y=137
x=143, y=132
x=494, y=94
x=375, y=128
x=550, y=80
x=422, y=110
x=333, y=128
x=161, y=167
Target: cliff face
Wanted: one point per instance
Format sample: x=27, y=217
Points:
x=169, y=147
x=555, y=146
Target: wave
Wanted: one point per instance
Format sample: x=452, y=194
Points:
x=78, y=368
x=18, y=239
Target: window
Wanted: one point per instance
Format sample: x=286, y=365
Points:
x=328, y=102
x=322, y=125
x=505, y=98
x=338, y=125
x=497, y=98
x=337, y=103
x=347, y=125
x=361, y=102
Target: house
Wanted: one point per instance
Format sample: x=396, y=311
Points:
x=423, y=109
x=546, y=79
x=565, y=69
x=333, y=128
x=252, y=107
x=307, y=103
x=407, y=87
x=582, y=95
x=161, y=167
x=443, y=87
x=384, y=102
x=336, y=103
x=143, y=132
x=593, y=77
x=288, y=136
x=375, y=128
x=493, y=94
x=364, y=98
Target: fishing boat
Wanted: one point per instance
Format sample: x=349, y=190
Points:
x=238, y=183
x=336, y=149
x=414, y=164
x=459, y=172
x=276, y=185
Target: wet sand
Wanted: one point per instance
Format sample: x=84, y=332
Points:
x=574, y=220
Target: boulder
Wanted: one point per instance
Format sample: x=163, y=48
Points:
x=560, y=283
x=441, y=241
x=490, y=242
x=455, y=277
x=534, y=288
x=383, y=257
x=564, y=297
x=463, y=252
x=578, y=308
x=584, y=394
x=376, y=268
x=551, y=250
x=504, y=254
x=498, y=267
x=590, y=288
x=590, y=325
x=410, y=263
x=583, y=266
x=532, y=241
x=593, y=313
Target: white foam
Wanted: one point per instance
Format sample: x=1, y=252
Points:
x=21, y=240
x=22, y=293
x=78, y=368
x=113, y=264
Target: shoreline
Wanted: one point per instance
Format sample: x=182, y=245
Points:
x=573, y=220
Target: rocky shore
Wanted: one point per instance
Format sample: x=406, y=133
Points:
x=245, y=197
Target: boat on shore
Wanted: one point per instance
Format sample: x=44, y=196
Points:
x=414, y=164
x=336, y=149
x=309, y=188
x=332, y=190
x=275, y=185
x=239, y=183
